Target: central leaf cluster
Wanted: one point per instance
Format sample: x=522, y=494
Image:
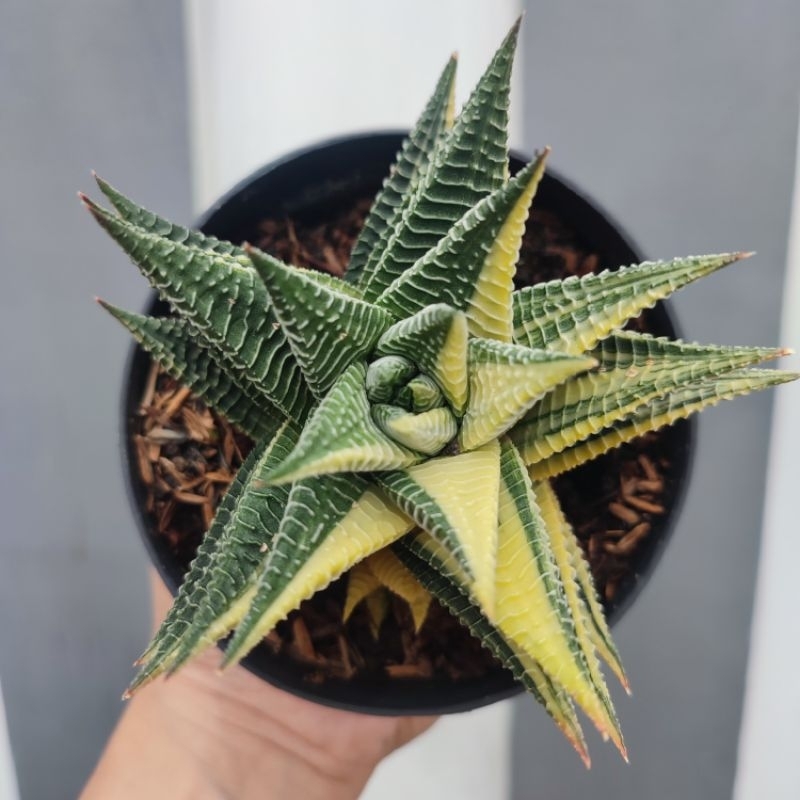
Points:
x=407, y=402
x=408, y=405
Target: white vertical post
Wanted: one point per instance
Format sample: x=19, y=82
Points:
x=768, y=745
x=8, y=775
x=266, y=78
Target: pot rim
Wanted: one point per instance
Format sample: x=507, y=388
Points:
x=423, y=696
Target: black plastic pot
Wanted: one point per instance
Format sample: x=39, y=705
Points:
x=305, y=185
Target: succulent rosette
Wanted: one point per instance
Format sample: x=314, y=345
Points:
x=408, y=418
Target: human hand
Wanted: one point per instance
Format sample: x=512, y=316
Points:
x=201, y=735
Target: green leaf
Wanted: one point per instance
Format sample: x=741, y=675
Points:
x=572, y=315
x=398, y=188
x=224, y=302
x=387, y=376
x=327, y=330
x=471, y=163
x=331, y=523
x=226, y=561
x=451, y=595
x=152, y=223
x=471, y=268
x=341, y=436
x=454, y=498
x=505, y=380
x=436, y=338
x=660, y=412
x=634, y=369
x=173, y=344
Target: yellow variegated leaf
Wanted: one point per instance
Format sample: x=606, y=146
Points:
x=378, y=608
x=455, y=499
x=361, y=581
x=395, y=576
x=557, y=703
x=599, y=630
x=431, y=564
x=505, y=380
x=426, y=433
x=662, y=411
x=574, y=314
x=633, y=370
x=531, y=604
x=470, y=269
x=587, y=628
x=436, y=337
x=331, y=523
x=489, y=309
x=471, y=162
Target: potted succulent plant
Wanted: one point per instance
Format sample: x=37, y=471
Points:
x=408, y=418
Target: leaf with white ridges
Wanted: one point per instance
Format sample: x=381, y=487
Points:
x=226, y=561
x=153, y=661
x=472, y=268
x=660, y=412
x=175, y=347
x=340, y=436
x=471, y=163
x=150, y=222
x=227, y=587
x=421, y=393
x=505, y=380
x=532, y=605
x=331, y=523
x=327, y=330
x=437, y=337
x=599, y=630
x=552, y=697
x=398, y=188
x=427, y=432
x=224, y=302
x=633, y=369
x=572, y=315
x=454, y=498
x=153, y=223
x=563, y=545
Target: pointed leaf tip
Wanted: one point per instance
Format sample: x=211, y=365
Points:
x=327, y=330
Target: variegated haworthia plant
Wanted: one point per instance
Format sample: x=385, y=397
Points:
x=412, y=415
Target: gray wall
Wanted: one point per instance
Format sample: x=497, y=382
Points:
x=82, y=85
x=680, y=118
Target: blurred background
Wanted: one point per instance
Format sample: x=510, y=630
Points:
x=678, y=117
